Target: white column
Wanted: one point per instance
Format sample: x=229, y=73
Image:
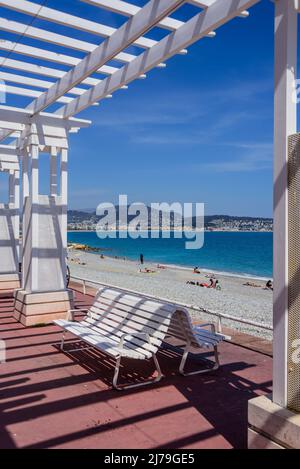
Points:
x=25, y=174
x=53, y=171
x=11, y=187
x=31, y=239
x=25, y=199
x=64, y=202
x=285, y=124
x=16, y=183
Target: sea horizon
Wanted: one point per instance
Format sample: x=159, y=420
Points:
x=233, y=253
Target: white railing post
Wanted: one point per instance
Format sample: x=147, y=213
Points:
x=219, y=324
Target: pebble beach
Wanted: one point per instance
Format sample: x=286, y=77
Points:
x=241, y=297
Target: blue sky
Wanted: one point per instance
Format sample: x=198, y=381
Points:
x=200, y=130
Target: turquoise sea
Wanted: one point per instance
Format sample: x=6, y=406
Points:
x=238, y=253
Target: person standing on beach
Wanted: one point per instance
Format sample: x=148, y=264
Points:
x=142, y=258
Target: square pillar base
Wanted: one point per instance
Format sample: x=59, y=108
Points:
x=8, y=283
x=271, y=426
x=42, y=308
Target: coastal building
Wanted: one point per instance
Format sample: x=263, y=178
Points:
x=27, y=132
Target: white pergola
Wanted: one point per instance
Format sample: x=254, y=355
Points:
x=58, y=95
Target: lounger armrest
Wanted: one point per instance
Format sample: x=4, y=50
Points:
x=210, y=324
x=135, y=334
x=71, y=313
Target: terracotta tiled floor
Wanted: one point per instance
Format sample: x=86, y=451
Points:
x=50, y=399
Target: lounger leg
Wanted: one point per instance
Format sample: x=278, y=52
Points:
x=116, y=374
x=121, y=388
x=205, y=370
x=62, y=341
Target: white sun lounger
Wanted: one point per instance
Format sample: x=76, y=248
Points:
x=122, y=324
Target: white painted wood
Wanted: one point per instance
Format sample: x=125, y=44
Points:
x=128, y=9
x=76, y=22
x=218, y=14
x=144, y=20
x=64, y=199
x=28, y=81
x=50, y=56
x=43, y=71
x=23, y=116
x=208, y=3
x=54, y=38
x=285, y=118
x=8, y=158
x=53, y=171
x=18, y=91
x=8, y=166
x=8, y=149
x=16, y=202
x=11, y=125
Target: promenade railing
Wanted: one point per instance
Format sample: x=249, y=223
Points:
x=218, y=315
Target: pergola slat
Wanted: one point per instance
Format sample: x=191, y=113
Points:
x=50, y=56
x=28, y=81
x=57, y=39
x=41, y=70
x=196, y=28
x=24, y=116
x=76, y=22
x=128, y=9
x=19, y=91
x=208, y=3
x=144, y=20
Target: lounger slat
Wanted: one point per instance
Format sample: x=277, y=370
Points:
x=109, y=331
x=135, y=340
x=141, y=301
x=130, y=315
x=110, y=325
x=103, y=342
x=157, y=316
x=128, y=327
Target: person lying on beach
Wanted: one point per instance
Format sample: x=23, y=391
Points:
x=147, y=271
x=196, y=270
x=212, y=284
x=161, y=266
x=251, y=284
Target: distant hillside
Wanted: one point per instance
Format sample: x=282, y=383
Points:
x=210, y=221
